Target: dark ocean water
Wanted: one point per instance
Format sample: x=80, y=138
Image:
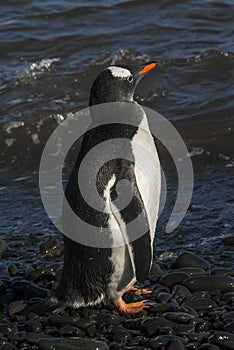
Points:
x=51, y=51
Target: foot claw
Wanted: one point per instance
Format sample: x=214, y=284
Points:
x=132, y=307
x=140, y=291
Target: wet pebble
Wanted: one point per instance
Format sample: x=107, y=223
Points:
x=45, y=272
x=228, y=297
x=61, y=320
x=33, y=326
x=84, y=323
x=220, y=271
x=8, y=328
x=176, y=344
x=15, y=307
x=152, y=325
x=179, y=317
x=51, y=248
x=208, y=346
x=107, y=319
x=122, y=336
x=201, y=304
x=181, y=293
x=196, y=336
x=3, y=246
x=173, y=278
x=187, y=259
x=70, y=331
x=12, y=269
x=223, y=339
x=228, y=240
x=72, y=344
x=229, y=327
x=156, y=270
x=193, y=271
x=163, y=340
x=209, y=283
x=33, y=338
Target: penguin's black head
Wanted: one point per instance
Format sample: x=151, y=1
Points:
x=118, y=83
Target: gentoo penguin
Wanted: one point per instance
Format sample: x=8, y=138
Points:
x=94, y=275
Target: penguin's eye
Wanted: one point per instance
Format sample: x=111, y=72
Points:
x=130, y=78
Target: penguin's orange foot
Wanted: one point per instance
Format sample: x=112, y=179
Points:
x=131, y=307
x=138, y=291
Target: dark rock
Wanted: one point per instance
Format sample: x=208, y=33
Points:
x=221, y=271
x=228, y=240
x=156, y=270
x=7, y=298
x=160, y=308
x=138, y=340
x=187, y=259
x=228, y=315
x=222, y=283
x=188, y=309
x=152, y=325
x=51, y=248
x=201, y=304
x=70, y=331
x=179, y=317
x=185, y=328
x=166, y=330
x=8, y=328
x=181, y=293
x=133, y=324
x=91, y=331
x=163, y=340
x=134, y=348
x=61, y=320
x=26, y=289
x=33, y=338
x=3, y=246
x=208, y=346
x=12, y=269
x=196, y=336
x=193, y=271
x=223, y=339
x=84, y=323
x=202, y=326
x=173, y=278
x=122, y=336
x=15, y=307
x=164, y=297
x=107, y=319
x=176, y=344
x=33, y=326
x=72, y=344
x=229, y=327
x=228, y=297
x=45, y=272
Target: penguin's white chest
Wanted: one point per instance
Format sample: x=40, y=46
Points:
x=147, y=172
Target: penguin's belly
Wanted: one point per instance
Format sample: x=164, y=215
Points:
x=147, y=173
x=148, y=182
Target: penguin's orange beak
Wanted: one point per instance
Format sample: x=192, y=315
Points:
x=147, y=68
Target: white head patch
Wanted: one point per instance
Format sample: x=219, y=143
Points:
x=119, y=72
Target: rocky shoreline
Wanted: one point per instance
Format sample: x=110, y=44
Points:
x=192, y=308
